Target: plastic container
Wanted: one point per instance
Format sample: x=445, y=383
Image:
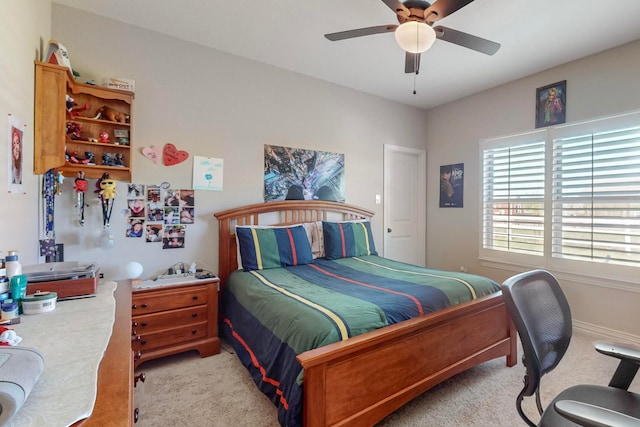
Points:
x=12, y=265
x=9, y=309
x=40, y=302
x=18, y=289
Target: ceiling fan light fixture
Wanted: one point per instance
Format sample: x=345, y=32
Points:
x=415, y=37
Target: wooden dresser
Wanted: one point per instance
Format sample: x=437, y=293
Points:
x=114, y=401
x=170, y=316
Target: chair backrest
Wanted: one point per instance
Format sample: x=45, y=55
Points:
x=541, y=314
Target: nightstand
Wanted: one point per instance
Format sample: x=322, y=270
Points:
x=170, y=316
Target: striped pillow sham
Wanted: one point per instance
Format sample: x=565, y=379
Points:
x=264, y=248
x=348, y=239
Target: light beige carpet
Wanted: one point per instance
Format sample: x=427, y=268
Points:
x=186, y=390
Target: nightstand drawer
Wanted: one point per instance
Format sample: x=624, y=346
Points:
x=167, y=337
x=166, y=320
x=152, y=302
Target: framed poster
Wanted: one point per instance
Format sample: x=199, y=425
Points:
x=451, y=185
x=551, y=104
x=299, y=174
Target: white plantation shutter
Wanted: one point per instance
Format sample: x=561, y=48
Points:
x=596, y=191
x=565, y=198
x=513, y=182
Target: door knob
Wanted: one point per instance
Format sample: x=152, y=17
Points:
x=388, y=230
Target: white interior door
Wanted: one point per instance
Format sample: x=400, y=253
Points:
x=405, y=204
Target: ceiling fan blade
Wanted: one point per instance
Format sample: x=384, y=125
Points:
x=349, y=34
x=412, y=63
x=466, y=40
x=397, y=7
x=442, y=8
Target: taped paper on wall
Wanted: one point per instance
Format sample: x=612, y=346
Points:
x=207, y=173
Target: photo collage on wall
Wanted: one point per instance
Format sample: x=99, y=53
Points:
x=159, y=215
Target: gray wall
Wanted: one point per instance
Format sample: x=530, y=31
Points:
x=24, y=24
x=218, y=105
x=599, y=85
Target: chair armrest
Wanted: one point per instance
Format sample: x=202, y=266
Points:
x=618, y=351
x=628, y=366
x=588, y=415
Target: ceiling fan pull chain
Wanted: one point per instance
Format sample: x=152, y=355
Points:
x=416, y=65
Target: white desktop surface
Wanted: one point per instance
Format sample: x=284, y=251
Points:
x=72, y=338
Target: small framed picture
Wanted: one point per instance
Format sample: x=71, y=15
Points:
x=551, y=104
x=452, y=185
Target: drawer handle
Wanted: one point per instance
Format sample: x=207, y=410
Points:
x=134, y=324
x=194, y=315
x=144, y=306
x=195, y=297
x=134, y=307
x=194, y=332
x=142, y=342
x=141, y=377
x=136, y=338
x=137, y=355
x=136, y=413
x=143, y=324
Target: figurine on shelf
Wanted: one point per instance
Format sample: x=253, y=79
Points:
x=109, y=159
x=74, y=130
x=90, y=157
x=107, y=113
x=70, y=102
x=119, y=160
x=73, y=109
x=73, y=157
x=104, y=137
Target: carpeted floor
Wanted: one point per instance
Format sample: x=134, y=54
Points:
x=186, y=390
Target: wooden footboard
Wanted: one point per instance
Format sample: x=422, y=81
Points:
x=360, y=381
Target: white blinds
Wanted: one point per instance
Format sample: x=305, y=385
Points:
x=513, y=183
x=596, y=191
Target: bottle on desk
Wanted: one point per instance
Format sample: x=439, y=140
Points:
x=18, y=289
x=12, y=265
x=4, y=280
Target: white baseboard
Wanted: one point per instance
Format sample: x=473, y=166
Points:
x=610, y=334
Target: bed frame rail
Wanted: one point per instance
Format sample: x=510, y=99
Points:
x=360, y=381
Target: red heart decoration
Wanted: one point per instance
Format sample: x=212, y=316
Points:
x=172, y=156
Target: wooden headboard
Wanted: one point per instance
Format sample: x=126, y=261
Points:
x=275, y=213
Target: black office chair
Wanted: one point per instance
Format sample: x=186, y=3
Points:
x=541, y=314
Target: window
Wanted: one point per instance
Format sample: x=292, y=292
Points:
x=513, y=195
x=564, y=196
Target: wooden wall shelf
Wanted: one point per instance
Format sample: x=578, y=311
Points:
x=53, y=147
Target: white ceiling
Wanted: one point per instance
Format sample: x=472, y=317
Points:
x=535, y=35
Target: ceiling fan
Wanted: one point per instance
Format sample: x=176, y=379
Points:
x=416, y=33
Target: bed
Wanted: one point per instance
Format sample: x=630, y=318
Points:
x=373, y=358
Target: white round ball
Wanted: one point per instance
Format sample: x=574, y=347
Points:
x=133, y=270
